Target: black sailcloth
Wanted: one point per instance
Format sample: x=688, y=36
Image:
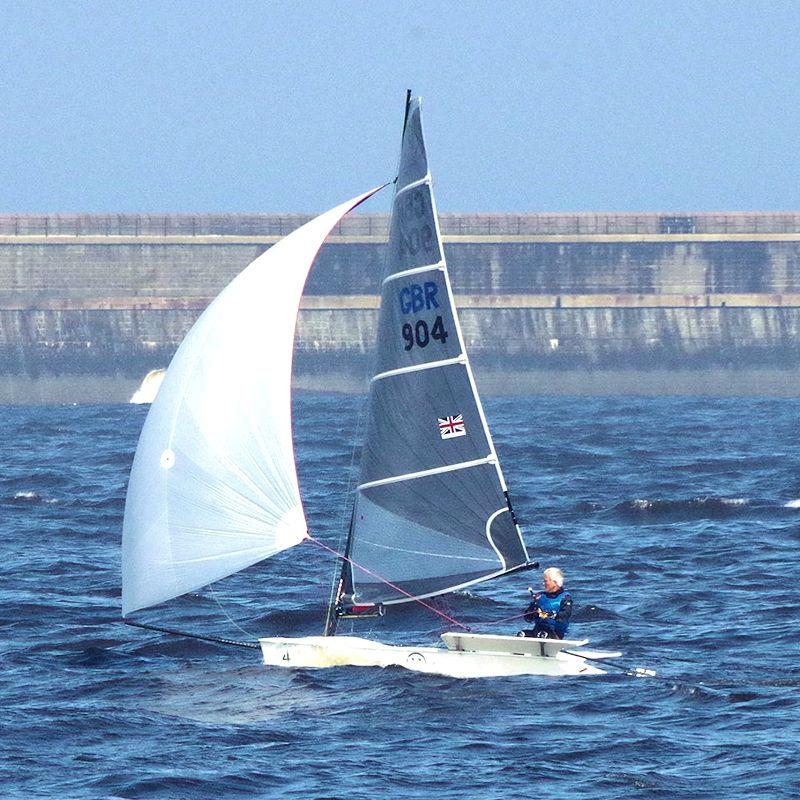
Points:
x=430, y=511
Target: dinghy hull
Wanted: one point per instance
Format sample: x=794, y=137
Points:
x=353, y=651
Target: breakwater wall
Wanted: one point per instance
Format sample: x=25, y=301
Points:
x=114, y=295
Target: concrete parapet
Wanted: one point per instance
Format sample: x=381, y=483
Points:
x=483, y=224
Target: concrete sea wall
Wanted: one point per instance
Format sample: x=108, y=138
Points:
x=556, y=296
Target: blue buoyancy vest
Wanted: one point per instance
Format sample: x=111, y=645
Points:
x=558, y=608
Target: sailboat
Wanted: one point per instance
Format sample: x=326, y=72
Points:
x=214, y=489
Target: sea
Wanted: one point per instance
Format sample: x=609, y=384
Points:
x=675, y=520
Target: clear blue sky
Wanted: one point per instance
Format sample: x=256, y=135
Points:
x=294, y=106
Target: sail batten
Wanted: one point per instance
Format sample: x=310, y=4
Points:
x=213, y=487
x=413, y=185
x=459, y=359
x=430, y=488
x=436, y=471
x=405, y=273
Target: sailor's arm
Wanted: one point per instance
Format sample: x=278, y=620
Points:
x=533, y=612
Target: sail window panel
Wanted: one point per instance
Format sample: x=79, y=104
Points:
x=460, y=502
x=429, y=535
x=420, y=421
x=413, y=158
x=417, y=324
x=371, y=591
x=413, y=240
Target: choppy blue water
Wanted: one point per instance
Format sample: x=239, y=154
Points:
x=673, y=519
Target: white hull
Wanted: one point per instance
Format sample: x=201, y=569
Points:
x=353, y=651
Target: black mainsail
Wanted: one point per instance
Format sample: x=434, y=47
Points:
x=431, y=509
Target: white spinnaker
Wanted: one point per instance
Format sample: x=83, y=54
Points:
x=213, y=487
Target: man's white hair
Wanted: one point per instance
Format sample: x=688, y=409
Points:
x=555, y=575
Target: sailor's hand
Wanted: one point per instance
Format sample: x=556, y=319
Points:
x=542, y=614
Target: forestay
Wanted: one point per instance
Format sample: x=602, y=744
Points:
x=431, y=512
x=213, y=488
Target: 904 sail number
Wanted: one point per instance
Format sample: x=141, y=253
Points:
x=420, y=335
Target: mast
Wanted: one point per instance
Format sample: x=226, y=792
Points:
x=344, y=586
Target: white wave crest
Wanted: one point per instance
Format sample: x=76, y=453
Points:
x=33, y=496
x=792, y=504
x=148, y=390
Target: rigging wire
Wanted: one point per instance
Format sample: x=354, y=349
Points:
x=501, y=621
x=228, y=616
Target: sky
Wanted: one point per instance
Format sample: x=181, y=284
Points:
x=262, y=107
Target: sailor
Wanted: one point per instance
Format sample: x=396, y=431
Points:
x=549, y=610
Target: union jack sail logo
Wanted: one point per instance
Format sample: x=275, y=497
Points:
x=451, y=427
